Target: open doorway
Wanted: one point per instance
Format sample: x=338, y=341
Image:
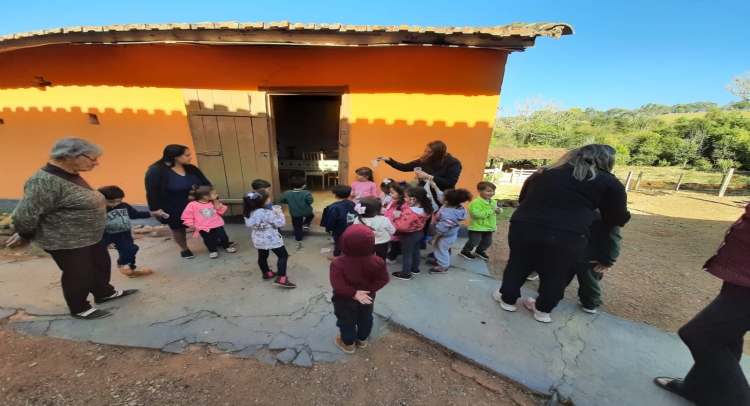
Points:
x=307, y=129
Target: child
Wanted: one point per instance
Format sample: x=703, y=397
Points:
x=601, y=253
x=265, y=224
x=355, y=278
x=364, y=185
x=300, y=205
x=483, y=222
x=410, y=224
x=397, y=203
x=204, y=214
x=445, y=227
x=338, y=216
x=385, y=191
x=368, y=213
x=265, y=185
x=117, y=234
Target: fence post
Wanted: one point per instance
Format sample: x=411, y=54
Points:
x=725, y=182
x=638, y=181
x=627, y=181
x=679, y=182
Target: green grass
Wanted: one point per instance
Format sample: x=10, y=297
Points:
x=672, y=175
x=507, y=212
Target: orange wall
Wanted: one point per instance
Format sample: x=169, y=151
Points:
x=401, y=98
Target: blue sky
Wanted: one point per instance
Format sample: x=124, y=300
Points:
x=624, y=53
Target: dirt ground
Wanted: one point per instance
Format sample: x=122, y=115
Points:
x=658, y=279
x=398, y=369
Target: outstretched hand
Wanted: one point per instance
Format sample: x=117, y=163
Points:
x=362, y=297
x=383, y=158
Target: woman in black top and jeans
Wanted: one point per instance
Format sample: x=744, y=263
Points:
x=168, y=184
x=549, y=230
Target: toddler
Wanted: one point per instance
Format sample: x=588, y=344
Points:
x=117, y=234
x=300, y=205
x=204, y=214
x=397, y=203
x=385, y=191
x=483, y=223
x=265, y=185
x=338, y=216
x=265, y=224
x=445, y=227
x=364, y=185
x=410, y=224
x=368, y=213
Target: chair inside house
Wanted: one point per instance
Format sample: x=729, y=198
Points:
x=313, y=161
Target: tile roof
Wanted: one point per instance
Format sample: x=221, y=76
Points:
x=511, y=37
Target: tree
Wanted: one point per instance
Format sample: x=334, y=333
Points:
x=740, y=86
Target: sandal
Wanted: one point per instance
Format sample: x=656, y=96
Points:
x=672, y=386
x=213, y=255
x=231, y=249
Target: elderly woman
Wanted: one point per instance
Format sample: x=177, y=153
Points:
x=66, y=217
x=168, y=184
x=715, y=335
x=549, y=230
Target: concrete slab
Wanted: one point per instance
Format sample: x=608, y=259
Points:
x=589, y=359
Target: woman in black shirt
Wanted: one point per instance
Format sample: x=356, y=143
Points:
x=549, y=230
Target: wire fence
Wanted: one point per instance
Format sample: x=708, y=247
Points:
x=659, y=178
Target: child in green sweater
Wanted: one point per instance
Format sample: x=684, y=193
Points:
x=300, y=205
x=483, y=211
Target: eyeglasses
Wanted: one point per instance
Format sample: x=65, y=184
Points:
x=90, y=158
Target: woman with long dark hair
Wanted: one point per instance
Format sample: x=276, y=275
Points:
x=168, y=184
x=549, y=230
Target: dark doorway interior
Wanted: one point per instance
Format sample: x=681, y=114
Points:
x=305, y=124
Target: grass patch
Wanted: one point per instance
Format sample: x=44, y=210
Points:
x=505, y=215
x=670, y=175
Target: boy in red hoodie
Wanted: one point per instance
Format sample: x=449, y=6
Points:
x=355, y=277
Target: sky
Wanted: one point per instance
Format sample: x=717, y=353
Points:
x=623, y=53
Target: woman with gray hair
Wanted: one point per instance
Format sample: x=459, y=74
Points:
x=66, y=217
x=549, y=230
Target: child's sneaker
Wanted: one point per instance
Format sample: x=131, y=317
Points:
x=438, y=270
x=348, y=349
x=532, y=277
x=283, y=281
x=306, y=226
x=213, y=255
x=468, y=255
x=431, y=262
x=361, y=344
x=231, y=250
x=390, y=261
x=589, y=311
x=133, y=273
x=267, y=276
x=543, y=317
x=507, y=307
x=399, y=275
x=187, y=254
x=416, y=271
x=482, y=255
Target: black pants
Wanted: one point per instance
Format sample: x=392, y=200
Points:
x=353, y=319
x=281, y=256
x=84, y=270
x=125, y=247
x=395, y=250
x=589, y=291
x=549, y=252
x=714, y=337
x=479, y=240
x=381, y=250
x=336, y=248
x=214, y=238
x=297, y=223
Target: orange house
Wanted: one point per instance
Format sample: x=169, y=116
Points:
x=250, y=99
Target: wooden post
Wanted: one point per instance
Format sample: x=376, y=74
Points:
x=502, y=161
x=725, y=182
x=679, y=182
x=638, y=181
x=627, y=181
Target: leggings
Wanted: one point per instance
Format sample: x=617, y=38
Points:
x=282, y=256
x=410, y=249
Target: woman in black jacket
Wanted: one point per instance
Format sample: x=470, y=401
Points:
x=168, y=184
x=549, y=230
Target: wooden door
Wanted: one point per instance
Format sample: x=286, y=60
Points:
x=232, y=145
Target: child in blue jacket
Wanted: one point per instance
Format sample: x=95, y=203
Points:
x=445, y=227
x=338, y=216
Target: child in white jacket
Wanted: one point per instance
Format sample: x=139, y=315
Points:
x=369, y=213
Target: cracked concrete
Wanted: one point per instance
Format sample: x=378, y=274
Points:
x=589, y=359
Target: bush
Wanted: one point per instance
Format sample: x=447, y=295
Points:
x=726, y=164
x=702, y=164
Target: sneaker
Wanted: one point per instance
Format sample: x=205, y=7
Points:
x=305, y=226
x=187, y=254
x=589, y=311
x=530, y=304
x=416, y=271
x=283, y=281
x=133, y=273
x=117, y=295
x=92, y=314
x=467, y=255
x=390, y=261
x=398, y=275
x=268, y=276
x=507, y=307
x=431, y=262
x=438, y=270
x=348, y=349
x=361, y=344
x=533, y=278
x=213, y=255
x=482, y=255
x=231, y=250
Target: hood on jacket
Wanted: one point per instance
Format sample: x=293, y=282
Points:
x=459, y=213
x=357, y=241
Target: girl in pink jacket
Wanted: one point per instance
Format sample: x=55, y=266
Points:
x=204, y=214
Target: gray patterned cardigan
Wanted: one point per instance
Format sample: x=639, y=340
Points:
x=58, y=214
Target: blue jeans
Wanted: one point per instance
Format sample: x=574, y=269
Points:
x=410, y=251
x=442, y=256
x=124, y=245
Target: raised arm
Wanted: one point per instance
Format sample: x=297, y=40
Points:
x=407, y=167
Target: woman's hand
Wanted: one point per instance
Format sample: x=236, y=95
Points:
x=16, y=241
x=111, y=246
x=383, y=158
x=159, y=213
x=362, y=297
x=422, y=175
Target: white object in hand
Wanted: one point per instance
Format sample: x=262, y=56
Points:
x=418, y=169
x=276, y=209
x=165, y=215
x=374, y=163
